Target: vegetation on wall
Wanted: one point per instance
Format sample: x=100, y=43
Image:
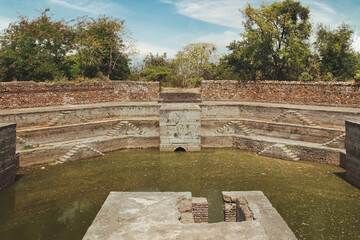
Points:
x=275, y=45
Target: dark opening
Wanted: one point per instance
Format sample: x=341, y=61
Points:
x=180, y=149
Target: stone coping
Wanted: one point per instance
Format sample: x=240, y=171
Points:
x=156, y=104
x=180, y=107
x=266, y=82
x=155, y=215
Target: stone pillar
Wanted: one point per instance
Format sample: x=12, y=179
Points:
x=352, y=144
x=180, y=127
x=9, y=160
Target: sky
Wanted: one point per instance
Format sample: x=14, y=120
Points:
x=159, y=26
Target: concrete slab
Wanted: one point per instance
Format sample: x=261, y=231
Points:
x=155, y=215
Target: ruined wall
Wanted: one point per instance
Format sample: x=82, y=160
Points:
x=309, y=93
x=31, y=94
x=9, y=161
x=352, y=145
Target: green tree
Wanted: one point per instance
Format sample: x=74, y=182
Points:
x=156, y=73
x=275, y=42
x=100, y=47
x=196, y=62
x=154, y=61
x=157, y=68
x=35, y=50
x=336, y=56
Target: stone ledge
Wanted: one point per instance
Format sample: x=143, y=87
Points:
x=155, y=215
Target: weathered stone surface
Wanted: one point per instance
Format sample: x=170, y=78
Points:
x=180, y=126
x=262, y=211
x=9, y=160
x=180, y=97
x=53, y=152
x=31, y=94
x=352, y=163
x=154, y=215
x=296, y=92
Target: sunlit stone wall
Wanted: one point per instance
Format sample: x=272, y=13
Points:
x=32, y=94
x=342, y=94
x=180, y=126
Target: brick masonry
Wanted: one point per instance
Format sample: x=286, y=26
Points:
x=9, y=161
x=31, y=94
x=352, y=144
x=310, y=93
x=200, y=210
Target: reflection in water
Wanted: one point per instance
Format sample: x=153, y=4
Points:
x=70, y=214
x=61, y=201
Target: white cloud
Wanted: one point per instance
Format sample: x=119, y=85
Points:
x=226, y=12
x=356, y=43
x=4, y=22
x=221, y=40
x=322, y=13
x=146, y=48
x=166, y=1
x=221, y=12
x=90, y=6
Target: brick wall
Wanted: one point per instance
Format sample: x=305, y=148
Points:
x=352, y=144
x=309, y=93
x=31, y=94
x=9, y=161
x=200, y=210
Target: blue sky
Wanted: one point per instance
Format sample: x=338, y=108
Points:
x=168, y=25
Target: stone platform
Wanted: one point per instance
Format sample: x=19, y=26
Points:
x=155, y=215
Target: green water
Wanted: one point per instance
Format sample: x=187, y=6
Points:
x=61, y=201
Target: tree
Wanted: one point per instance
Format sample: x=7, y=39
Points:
x=196, y=62
x=35, y=50
x=100, y=47
x=336, y=56
x=156, y=68
x=275, y=42
x=155, y=61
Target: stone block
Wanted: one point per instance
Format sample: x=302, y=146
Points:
x=9, y=160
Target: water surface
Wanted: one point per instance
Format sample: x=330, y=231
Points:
x=61, y=201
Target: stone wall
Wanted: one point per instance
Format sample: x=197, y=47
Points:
x=9, y=161
x=31, y=94
x=309, y=93
x=352, y=144
x=180, y=126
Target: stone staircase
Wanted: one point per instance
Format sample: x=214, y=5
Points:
x=69, y=155
x=244, y=128
x=22, y=142
x=280, y=151
x=64, y=115
x=114, y=131
x=336, y=142
x=133, y=126
x=223, y=128
x=236, y=126
x=121, y=125
x=297, y=115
